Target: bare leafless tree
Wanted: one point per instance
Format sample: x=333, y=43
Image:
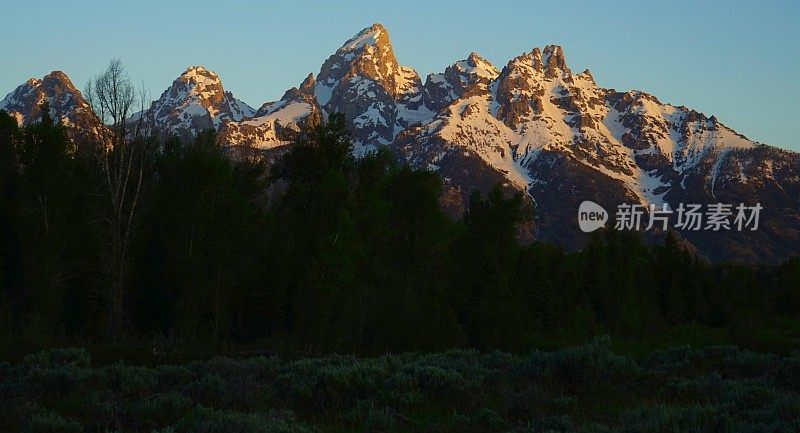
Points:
x=124, y=154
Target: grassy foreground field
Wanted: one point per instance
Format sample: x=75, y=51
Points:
x=587, y=388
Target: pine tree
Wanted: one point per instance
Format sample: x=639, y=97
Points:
x=493, y=306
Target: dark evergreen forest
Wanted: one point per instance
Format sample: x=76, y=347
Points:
x=320, y=252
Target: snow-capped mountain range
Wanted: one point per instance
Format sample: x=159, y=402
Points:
x=532, y=125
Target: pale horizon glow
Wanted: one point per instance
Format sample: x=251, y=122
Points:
x=736, y=60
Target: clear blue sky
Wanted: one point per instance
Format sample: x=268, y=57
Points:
x=738, y=60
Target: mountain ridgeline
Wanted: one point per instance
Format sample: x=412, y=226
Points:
x=532, y=126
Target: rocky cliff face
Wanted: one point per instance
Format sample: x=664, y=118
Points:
x=67, y=105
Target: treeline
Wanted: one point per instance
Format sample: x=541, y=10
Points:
x=320, y=252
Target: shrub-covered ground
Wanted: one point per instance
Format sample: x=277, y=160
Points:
x=587, y=388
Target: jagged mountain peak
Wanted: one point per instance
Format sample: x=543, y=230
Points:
x=67, y=104
x=550, y=61
x=457, y=79
x=477, y=67
x=363, y=80
x=371, y=46
x=474, y=59
x=367, y=55
x=586, y=75
x=554, y=62
x=196, y=100
x=198, y=74
x=275, y=123
x=32, y=82
x=554, y=55
x=307, y=86
x=58, y=77
x=198, y=69
x=373, y=35
x=198, y=82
